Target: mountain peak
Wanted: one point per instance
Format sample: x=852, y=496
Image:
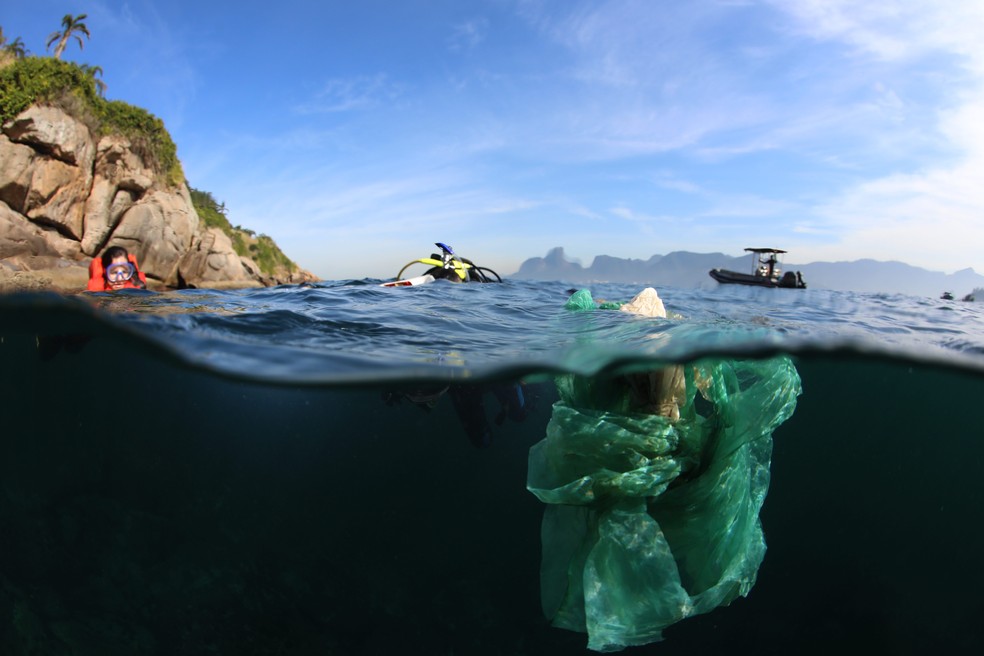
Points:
x=687, y=270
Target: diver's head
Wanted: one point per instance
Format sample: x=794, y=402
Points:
x=117, y=267
x=449, y=274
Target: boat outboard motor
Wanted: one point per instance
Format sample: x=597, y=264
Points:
x=791, y=280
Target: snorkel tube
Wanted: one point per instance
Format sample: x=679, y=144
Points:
x=450, y=262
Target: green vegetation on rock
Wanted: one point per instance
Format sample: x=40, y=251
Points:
x=267, y=255
x=75, y=89
x=260, y=248
x=211, y=212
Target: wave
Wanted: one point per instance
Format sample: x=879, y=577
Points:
x=356, y=333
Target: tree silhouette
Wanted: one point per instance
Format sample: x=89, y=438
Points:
x=93, y=71
x=71, y=26
x=15, y=48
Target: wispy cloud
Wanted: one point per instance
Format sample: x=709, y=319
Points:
x=644, y=219
x=647, y=81
x=928, y=213
x=351, y=94
x=747, y=205
x=891, y=30
x=641, y=81
x=669, y=180
x=468, y=35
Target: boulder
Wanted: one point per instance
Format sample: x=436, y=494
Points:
x=103, y=209
x=117, y=162
x=32, y=258
x=159, y=229
x=48, y=274
x=51, y=131
x=57, y=195
x=16, y=166
x=50, y=186
x=120, y=178
x=22, y=241
x=212, y=261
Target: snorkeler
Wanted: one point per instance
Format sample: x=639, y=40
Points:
x=115, y=270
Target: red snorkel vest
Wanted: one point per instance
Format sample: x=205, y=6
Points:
x=97, y=276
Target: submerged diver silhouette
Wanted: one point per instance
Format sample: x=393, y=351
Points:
x=469, y=405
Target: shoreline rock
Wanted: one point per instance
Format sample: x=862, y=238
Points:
x=66, y=196
x=72, y=279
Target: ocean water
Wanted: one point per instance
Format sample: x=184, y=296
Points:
x=341, y=468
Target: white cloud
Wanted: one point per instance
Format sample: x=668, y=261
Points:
x=871, y=27
x=896, y=30
x=932, y=216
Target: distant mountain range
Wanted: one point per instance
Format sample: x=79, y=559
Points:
x=682, y=269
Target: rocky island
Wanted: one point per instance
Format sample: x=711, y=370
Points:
x=79, y=173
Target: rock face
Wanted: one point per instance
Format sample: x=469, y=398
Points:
x=65, y=198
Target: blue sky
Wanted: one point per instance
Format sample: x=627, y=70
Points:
x=357, y=134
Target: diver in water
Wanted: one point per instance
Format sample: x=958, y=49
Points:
x=458, y=269
x=446, y=266
x=469, y=405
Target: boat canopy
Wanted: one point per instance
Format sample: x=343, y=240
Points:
x=764, y=250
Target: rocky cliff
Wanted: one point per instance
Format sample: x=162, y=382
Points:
x=66, y=195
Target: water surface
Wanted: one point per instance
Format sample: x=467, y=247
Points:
x=285, y=470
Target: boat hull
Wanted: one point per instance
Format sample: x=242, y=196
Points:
x=410, y=282
x=788, y=281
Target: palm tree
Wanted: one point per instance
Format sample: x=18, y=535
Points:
x=93, y=71
x=16, y=48
x=13, y=50
x=71, y=26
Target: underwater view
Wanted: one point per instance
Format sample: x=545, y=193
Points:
x=524, y=468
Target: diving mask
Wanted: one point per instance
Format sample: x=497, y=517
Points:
x=119, y=271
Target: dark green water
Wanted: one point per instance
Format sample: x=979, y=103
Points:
x=147, y=507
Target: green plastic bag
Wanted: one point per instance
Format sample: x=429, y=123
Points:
x=651, y=519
